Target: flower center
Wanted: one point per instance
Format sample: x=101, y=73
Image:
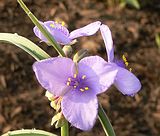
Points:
x=76, y=82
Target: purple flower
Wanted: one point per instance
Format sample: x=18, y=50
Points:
x=125, y=81
x=61, y=33
x=77, y=84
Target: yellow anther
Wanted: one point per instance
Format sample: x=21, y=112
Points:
x=82, y=90
x=68, y=83
x=52, y=25
x=84, y=76
x=124, y=58
x=130, y=69
x=86, y=88
x=63, y=23
x=69, y=79
x=56, y=22
x=126, y=63
x=75, y=75
x=75, y=86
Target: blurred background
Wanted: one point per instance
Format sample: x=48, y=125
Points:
x=136, y=33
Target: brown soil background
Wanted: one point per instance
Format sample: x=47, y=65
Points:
x=22, y=100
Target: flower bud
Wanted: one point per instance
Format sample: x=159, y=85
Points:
x=58, y=120
x=68, y=50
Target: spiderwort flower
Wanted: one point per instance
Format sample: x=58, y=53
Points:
x=61, y=33
x=77, y=84
x=125, y=81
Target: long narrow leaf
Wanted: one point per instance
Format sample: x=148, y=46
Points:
x=107, y=127
x=134, y=3
x=28, y=132
x=43, y=30
x=157, y=39
x=24, y=44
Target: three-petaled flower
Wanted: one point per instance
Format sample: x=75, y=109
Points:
x=61, y=33
x=125, y=81
x=77, y=84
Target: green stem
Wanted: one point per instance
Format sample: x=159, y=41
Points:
x=42, y=29
x=108, y=129
x=64, y=129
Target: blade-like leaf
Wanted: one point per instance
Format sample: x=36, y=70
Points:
x=24, y=44
x=43, y=30
x=103, y=118
x=28, y=132
x=157, y=39
x=133, y=3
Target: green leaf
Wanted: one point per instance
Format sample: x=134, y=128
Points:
x=43, y=30
x=133, y=3
x=25, y=44
x=28, y=132
x=157, y=39
x=103, y=118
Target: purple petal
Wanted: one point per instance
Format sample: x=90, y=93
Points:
x=92, y=79
x=107, y=37
x=60, y=37
x=53, y=25
x=53, y=73
x=119, y=62
x=126, y=82
x=87, y=30
x=59, y=32
x=105, y=72
x=80, y=109
x=39, y=34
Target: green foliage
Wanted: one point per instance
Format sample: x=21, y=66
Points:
x=157, y=39
x=123, y=3
x=43, y=30
x=133, y=3
x=108, y=129
x=28, y=132
x=25, y=44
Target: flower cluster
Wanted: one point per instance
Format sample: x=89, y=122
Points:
x=77, y=84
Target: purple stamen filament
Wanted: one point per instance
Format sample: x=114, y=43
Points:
x=75, y=82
